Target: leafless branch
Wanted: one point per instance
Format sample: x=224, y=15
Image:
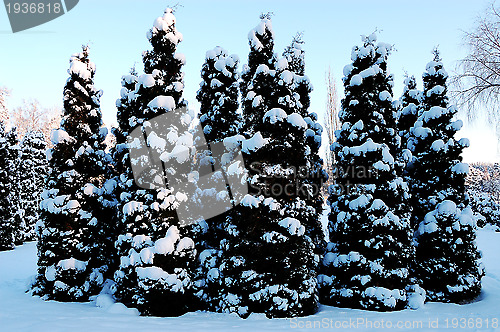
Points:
x=476, y=83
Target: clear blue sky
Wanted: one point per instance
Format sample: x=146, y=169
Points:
x=34, y=63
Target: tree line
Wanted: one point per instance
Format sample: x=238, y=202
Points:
x=400, y=228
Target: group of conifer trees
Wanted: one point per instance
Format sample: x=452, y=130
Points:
x=399, y=227
x=23, y=168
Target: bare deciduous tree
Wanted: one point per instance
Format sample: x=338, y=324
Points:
x=332, y=121
x=476, y=83
x=31, y=116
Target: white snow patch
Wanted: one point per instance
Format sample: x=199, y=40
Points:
x=274, y=115
x=164, y=102
x=293, y=225
x=72, y=264
x=59, y=136
x=295, y=119
x=356, y=80
x=254, y=143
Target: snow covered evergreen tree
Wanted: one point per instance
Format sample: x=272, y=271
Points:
x=220, y=119
x=15, y=211
x=369, y=254
x=157, y=252
x=268, y=261
x=33, y=170
x=7, y=229
x=446, y=253
x=485, y=208
x=67, y=265
x=316, y=176
x=409, y=103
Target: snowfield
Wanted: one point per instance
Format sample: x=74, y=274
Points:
x=21, y=312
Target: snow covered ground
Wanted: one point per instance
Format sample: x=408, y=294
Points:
x=22, y=312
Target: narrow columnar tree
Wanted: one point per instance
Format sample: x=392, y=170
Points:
x=219, y=119
x=156, y=249
x=66, y=268
x=316, y=176
x=369, y=253
x=33, y=166
x=6, y=226
x=268, y=255
x=15, y=210
x=446, y=253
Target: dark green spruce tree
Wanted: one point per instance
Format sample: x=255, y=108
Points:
x=219, y=119
x=369, y=253
x=312, y=166
x=7, y=229
x=446, y=253
x=33, y=163
x=268, y=255
x=15, y=210
x=156, y=248
x=67, y=270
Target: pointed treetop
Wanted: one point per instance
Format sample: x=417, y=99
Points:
x=295, y=55
x=86, y=49
x=435, y=67
x=133, y=69
x=173, y=9
x=297, y=42
x=80, y=65
x=371, y=38
x=298, y=38
x=217, y=52
x=261, y=41
x=380, y=51
x=409, y=82
x=437, y=55
x=266, y=16
x=263, y=32
x=164, y=27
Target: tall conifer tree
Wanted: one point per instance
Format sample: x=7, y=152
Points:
x=369, y=254
x=7, y=229
x=77, y=162
x=33, y=166
x=446, y=253
x=15, y=210
x=268, y=255
x=219, y=119
x=157, y=252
